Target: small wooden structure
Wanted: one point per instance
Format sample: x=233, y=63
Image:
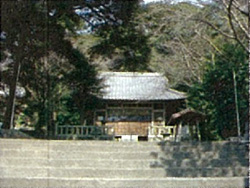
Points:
x=187, y=122
x=137, y=105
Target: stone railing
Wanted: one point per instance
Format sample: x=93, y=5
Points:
x=84, y=132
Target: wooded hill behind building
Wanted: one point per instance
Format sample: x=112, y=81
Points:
x=201, y=49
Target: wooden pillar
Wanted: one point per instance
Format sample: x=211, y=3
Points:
x=198, y=130
x=178, y=131
x=164, y=114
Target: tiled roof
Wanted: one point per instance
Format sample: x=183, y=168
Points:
x=137, y=86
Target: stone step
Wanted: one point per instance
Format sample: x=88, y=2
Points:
x=227, y=149
x=76, y=163
x=124, y=149
x=205, y=145
x=119, y=154
x=125, y=155
x=84, y=172
x=179, y=156
x=209, y=163
x=222, y=152
x=37, y=142
x=12, y=153
x=223, y=148
x=162, y=145
x=116, y=163
x=235, y=182
x=81, y=146
x=207, y=172
x=81, y=173
x=97, y=155
x=117, y=147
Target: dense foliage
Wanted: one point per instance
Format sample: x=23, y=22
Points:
x=215, y=95
x=45, y=62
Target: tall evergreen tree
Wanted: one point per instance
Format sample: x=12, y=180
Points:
x=215, y=96
x=125, y=41
x=41, y=30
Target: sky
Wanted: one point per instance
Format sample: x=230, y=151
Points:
x=151, y=1
x=89, y=29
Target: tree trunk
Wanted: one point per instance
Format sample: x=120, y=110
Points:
x=82, y=116
x=236, y=104
x=10, y=107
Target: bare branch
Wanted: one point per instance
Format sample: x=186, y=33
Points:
x=87, y=20
x=215, y=28
x=243, y=28
x=190, y=51
x=242, y=11
x=233, y=15
x=209, y=42
x=230, y=19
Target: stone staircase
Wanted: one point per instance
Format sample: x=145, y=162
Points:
x=26, y=163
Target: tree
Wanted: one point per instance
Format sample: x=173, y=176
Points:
x=42, y=29
x=19, y=43
x=215, y=96
x=85, y=86
x=177, y=49
x=235, y=14
x=238, y=14
x=39, y=32
x=44, y=85
x=182, y=35
x=124, y=42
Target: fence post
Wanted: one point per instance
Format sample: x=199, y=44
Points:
x=67, y=131
x=56, y=132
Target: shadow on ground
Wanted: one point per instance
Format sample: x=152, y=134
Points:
x=203, y=159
